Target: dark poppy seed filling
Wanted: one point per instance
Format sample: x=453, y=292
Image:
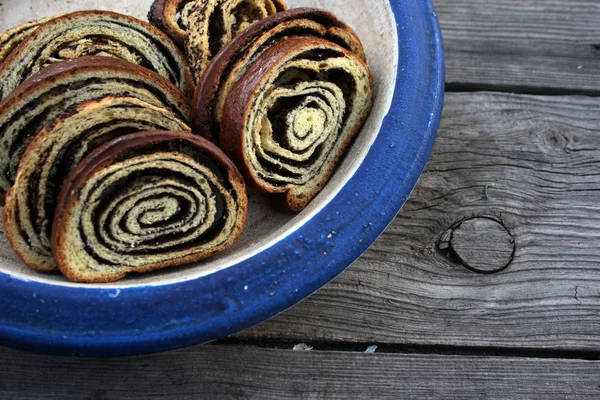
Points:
x=95, y=33
x=183, y=14
x=212, y=24
x=146, y=201
x=56, y=150
x=172, y=17
x=232, y=63
x=62, y=87
x=216, y=27
x=174, y=202
x=293, y=114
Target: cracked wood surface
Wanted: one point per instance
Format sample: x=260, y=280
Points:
x=543, y=155
x=235, y=372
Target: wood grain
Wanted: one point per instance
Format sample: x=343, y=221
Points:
x=543, y=154
x=235, y=372
x=535, y=46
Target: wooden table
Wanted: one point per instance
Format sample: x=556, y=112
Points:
x=486, y=285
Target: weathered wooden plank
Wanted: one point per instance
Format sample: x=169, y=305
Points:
x=234, y=372
x=532, y=45
x=543, y=156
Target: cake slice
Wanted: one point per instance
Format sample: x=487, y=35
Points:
x=62, y=86
x=232, y=62
x=147, y=201
x=99, y=33
x=54, y=152
x=293, y=114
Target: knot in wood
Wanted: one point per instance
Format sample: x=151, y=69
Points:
x=559, y=139
x=481, y=244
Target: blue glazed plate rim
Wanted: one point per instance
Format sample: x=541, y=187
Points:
x=138, y=320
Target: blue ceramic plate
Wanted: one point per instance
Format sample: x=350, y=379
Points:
x=281, y=259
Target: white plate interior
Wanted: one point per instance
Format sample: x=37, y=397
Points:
x=375, y=24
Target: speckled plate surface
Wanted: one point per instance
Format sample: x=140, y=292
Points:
x=281, y=258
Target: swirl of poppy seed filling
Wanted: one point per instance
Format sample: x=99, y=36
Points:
x=234, y=61
x=94, y=33
x=156, y=205
x=303, y=103
x=63, y=87
x=54, y=153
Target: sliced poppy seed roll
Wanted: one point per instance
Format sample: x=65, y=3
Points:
x=232, y=62
x=172, y=17
x=293, y=114
x=100, y=33
x=14, y=36
x=47, y=94
x=214, y=23
x=147, y=201
x=54, y=153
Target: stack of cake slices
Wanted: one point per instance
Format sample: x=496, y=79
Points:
x=126, y=146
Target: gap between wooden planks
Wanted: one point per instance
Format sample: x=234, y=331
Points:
x=542, y=153
x=534, y=46
x=235, y=372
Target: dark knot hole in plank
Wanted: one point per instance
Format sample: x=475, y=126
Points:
x=482, y=244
